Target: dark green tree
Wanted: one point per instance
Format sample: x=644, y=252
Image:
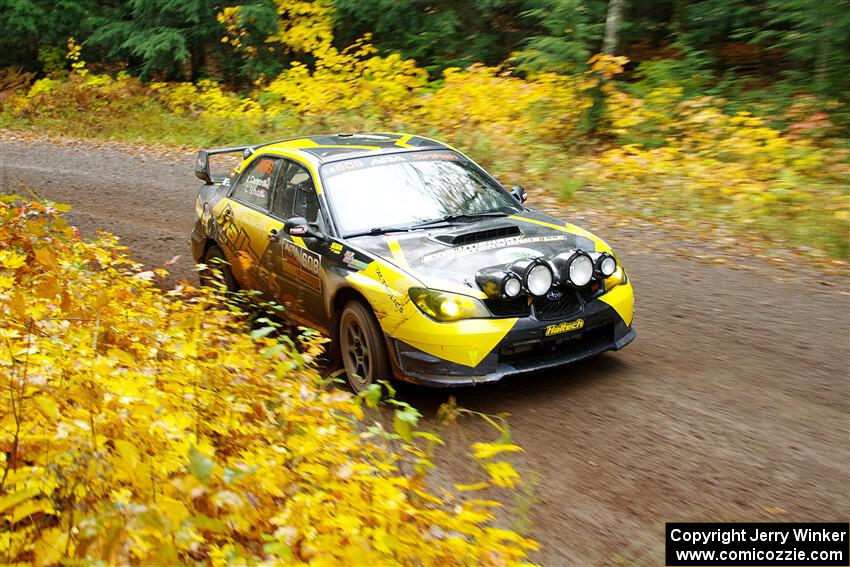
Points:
x=28, y=27
x=816, y=36
x=158, y=35
x=436, y=34
x=565, y=34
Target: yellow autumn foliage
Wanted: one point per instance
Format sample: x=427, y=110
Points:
x=662, y=149
x=737, y=159
x=142, y=427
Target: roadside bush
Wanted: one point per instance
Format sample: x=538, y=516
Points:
x=656, y=144
x=147, y=427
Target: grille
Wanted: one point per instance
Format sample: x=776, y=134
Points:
x=588, y=341
x=516, y=307
x=568, y=304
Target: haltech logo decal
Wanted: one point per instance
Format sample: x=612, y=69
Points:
x=564, y=327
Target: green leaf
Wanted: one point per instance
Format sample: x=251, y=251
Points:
x=279, y=550
x=200, y=465
x=273, y=350
x=372, y=395
x=405, y=420
x=402, y=428
x=204, y=522
x=261, y=332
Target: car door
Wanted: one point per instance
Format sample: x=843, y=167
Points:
x=297, y=261
x=247, y=227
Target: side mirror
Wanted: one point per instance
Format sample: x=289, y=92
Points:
x=519, y=193
x=298, y=226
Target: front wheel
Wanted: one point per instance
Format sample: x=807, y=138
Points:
x=216, y=262
x=362, y=347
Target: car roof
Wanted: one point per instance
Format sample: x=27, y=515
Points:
x=335, y=147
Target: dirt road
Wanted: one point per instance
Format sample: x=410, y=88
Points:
x=733, y=404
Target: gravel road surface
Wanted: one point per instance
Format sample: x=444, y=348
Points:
x=733, y=404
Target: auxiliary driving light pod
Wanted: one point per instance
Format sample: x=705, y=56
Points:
x=511, y=286
x=499, y=283
x=606, y=265
x=537, y=276
x=575, y=267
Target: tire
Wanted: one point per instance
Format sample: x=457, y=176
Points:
x=362, y=347
x=214, y=258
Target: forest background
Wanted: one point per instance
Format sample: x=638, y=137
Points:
x=687, y=113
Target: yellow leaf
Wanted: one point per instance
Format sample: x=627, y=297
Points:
x=50, y=548
x=28, y=508
x=16, y=498
x=487, y=450
x=502, y=474
x=122, y=356
x=47, y=407
x=12, y=260
x=474, y=486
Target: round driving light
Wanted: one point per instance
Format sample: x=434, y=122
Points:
x=539, y=279
x=581, y=270
x=512, y=286
x=607, y=266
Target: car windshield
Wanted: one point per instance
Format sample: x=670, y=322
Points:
x=400, y=191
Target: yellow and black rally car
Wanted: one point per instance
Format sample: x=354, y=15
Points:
x=413, y=259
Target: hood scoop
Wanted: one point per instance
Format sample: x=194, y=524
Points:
x=465, y=236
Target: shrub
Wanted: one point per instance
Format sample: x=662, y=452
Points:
x=147, y=427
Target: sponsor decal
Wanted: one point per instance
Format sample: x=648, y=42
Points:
x=564, y=327
x=387, y=159
x=265, y=166
x=389, y=290
x=554, y=295
x=302, y=265
x=349, y=260
x=343, y=166
x=226, y=182
x=336, y=247
x=351, y=164
x=434, y=155
x=493, y=245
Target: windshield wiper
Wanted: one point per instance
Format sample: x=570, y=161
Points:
x=446, y=219
x=459, y=216
x=379, y=230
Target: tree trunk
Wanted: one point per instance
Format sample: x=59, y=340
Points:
x=612, y=26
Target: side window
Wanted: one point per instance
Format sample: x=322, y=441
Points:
x=295, y=195
x=254, y=185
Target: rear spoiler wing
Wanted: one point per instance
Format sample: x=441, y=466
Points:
x=202, y=162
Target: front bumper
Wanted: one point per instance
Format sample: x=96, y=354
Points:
x=526, y=348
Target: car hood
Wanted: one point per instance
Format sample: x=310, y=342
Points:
x=455, y=253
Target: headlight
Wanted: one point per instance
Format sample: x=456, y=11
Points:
x=512, y=286
x=581, y=270
x=576, y=267
x=445, y=307
x=539, y=279
x=536, y=275
x=499, y=283
x=606, y=265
